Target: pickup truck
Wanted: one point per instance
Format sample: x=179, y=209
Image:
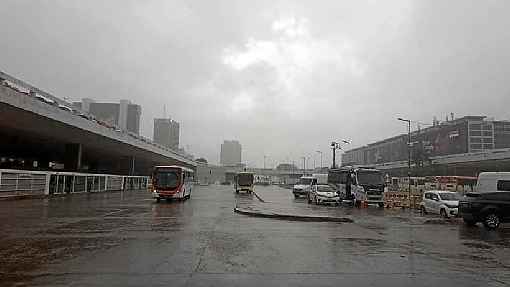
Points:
x=490, y=208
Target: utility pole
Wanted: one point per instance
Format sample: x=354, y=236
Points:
x=264, y=161
x=334, y=146
x=408, y=156
x=304, y=165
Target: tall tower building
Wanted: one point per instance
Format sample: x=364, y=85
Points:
x=230, y=153
x=166, y=132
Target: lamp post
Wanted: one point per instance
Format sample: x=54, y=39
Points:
x=334, y=147
x=408, y=155
x=320, y=152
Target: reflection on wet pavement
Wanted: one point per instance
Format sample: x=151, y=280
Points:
x=129, y=240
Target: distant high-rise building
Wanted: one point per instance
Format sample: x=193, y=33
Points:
x=166, y=132
x=230, y=153
x=124, y=114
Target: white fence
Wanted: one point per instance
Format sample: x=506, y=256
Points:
x=14, y=182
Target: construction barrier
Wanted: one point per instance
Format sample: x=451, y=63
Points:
x=400, y=199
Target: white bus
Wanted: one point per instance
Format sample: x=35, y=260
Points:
x=359, y=184
x=244, y=181
x=169, y=182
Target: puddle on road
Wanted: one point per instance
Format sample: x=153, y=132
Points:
x=100, y=225
x=24, y=255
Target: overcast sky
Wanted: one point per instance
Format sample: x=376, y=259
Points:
x=285, y=78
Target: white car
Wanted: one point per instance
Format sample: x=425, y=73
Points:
x=444, y=203
x=322, y=194
x=303, y=186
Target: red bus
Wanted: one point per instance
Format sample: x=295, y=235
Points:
x=169, y=182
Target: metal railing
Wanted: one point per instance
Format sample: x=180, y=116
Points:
x=23, y=182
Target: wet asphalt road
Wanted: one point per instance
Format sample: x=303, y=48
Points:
x=126, y=239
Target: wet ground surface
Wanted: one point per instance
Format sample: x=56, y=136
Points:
x=126, y=239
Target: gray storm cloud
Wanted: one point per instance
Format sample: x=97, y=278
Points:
x=283, y=77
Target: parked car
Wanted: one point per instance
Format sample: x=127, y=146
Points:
x=323, y=193
x=65, y=108
x=444, y=203
x=303, y=186
x=490, y=208
x=45, y=99
x=85, y=116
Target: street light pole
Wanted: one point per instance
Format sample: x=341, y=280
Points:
x=335, y=146
x=408, y=156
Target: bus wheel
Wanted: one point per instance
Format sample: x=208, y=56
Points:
x=381, y=205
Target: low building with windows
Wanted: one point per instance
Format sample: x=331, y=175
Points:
x=463, y=135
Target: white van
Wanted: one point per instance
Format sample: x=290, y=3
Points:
x=493, y=181
x=303, y=186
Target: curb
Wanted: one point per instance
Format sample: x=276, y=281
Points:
x=293, y=217
x=258, y=197
x=22, y=196
x=42, y=196
x=443, y=221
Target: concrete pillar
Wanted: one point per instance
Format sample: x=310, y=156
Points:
x=72, y=157
x=123, y=114
x=126, y=165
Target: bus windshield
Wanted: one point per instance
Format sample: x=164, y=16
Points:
x=245, y=179
x=370, y=177
x=166, y=178
x=337, y=177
